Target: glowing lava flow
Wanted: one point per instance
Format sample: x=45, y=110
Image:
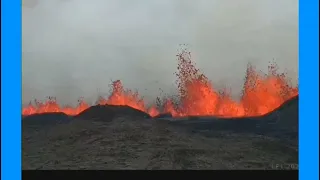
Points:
x=196, y=95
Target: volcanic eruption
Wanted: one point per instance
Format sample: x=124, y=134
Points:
x=197, y=95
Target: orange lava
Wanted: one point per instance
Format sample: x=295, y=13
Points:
x=262, y=93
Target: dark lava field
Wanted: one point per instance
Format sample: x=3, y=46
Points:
x=120, y=137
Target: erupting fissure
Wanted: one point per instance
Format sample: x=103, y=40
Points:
x=262, y=93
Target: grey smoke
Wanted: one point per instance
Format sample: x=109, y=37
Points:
x=74, y=48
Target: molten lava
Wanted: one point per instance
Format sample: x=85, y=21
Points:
x=262, y=93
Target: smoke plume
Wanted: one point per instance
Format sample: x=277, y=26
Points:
x=75, y=48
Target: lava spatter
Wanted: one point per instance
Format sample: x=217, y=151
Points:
x=197, y=96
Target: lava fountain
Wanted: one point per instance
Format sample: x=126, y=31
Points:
x=197, y=95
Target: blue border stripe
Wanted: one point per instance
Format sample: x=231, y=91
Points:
x=11, y=89
x=309, y=89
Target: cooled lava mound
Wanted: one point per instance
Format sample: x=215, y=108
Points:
x=108, y=112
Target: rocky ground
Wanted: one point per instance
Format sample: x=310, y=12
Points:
x=117, y=137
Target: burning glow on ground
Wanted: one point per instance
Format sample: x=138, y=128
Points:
x=262, y=93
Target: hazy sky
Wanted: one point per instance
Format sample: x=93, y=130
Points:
x=74, y=48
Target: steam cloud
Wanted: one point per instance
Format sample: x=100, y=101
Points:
x=74, y=48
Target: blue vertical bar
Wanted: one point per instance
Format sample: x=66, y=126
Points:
x=11, y=89
x=309, y=89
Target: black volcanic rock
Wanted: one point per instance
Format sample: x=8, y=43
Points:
x=287, y=114
x=45, y=119
x=165, y=115
x=282, y=122
x=108, y=112
x=98, y=112
x=128, y=111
